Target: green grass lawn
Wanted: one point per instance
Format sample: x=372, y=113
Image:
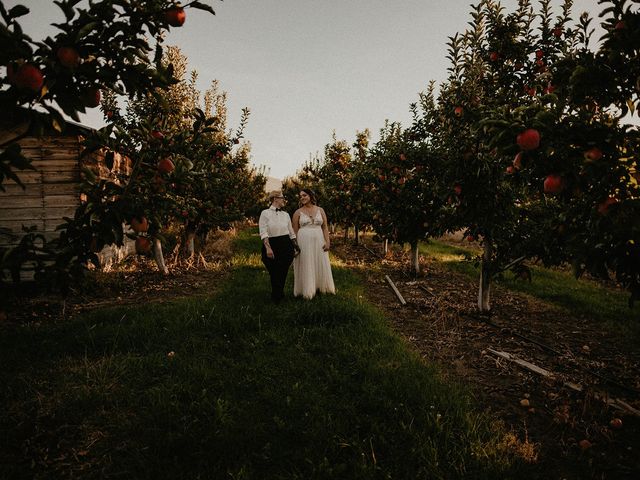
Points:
x=581, y=297
x=234, y=387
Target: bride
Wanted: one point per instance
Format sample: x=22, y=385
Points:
x=311, y=268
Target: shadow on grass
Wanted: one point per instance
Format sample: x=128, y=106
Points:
x=236, y=387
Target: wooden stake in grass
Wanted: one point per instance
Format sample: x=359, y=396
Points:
x=395, y=289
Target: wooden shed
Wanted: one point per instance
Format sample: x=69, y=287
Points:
x=52, y=190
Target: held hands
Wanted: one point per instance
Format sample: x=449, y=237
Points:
x=296, y=248
x=326, y=247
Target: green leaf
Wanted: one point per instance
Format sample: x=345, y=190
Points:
x=202, y=6
x=18, y=11
x=84, y=31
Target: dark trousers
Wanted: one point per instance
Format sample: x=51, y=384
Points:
x=278, y=266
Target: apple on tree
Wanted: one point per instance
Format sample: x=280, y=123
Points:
x=175, y=16
x=166, y=166
x=528, y=139
x=68, y=57
x=553, y=184
x=593, y=154
x=27, y=77
x=139, y=224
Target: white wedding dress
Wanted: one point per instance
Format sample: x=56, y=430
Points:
x=311, y=268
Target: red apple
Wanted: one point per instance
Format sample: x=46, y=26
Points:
x=531, y=91
x=143, y=245
x=91, y=97
x=28, y=77
x=603, y=208
x=615, y=423
x=494, y=56
x=593, y=154
x=68, y=57
x=175, y=16
x=470, y=238
x=584, y=444
x=139, y=224
x=539, y=54
x=528, y=139
x=510, y=170
x=166, y=166
x=457, y=189
x=157, y=134
x=553, y=184
x=557, y=32
x=458, y=111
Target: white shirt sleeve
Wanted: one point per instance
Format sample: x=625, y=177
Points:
x=263, y=225
x=292, y=234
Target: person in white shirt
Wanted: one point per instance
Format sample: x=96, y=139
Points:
x=279, y=244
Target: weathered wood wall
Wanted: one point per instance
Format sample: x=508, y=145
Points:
x=53, y=191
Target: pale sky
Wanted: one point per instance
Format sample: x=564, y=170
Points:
x=308, y=67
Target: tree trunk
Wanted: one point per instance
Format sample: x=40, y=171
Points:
x=189, y=244
x=357, y=235
x=485, y=278
x=189, y=239
x=346, y=232
x=385, y=246
x=159, y=258
x=415, y=258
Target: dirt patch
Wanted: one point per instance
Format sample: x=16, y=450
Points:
x=576, y=433
x=135, y=281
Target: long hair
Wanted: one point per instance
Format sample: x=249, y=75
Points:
x=312, y=195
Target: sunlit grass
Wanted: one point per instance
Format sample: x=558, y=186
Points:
x=581, y=297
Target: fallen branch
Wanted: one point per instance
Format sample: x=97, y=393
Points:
x=395, y=289
x=613, y=402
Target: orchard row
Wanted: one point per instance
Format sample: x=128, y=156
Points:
x=529, y=146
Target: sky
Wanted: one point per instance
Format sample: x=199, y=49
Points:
x=307, y=68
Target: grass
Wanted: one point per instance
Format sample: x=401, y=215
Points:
x=581, y=297
x=233, y=387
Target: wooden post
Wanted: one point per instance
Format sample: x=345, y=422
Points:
x=395, y=289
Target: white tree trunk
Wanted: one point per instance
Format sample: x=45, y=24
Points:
x=189, y=244
x=159, y=258
x=385, y=246
x=485, y=278
x=415, y=258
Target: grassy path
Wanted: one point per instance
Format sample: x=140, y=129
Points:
x=233, y=387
